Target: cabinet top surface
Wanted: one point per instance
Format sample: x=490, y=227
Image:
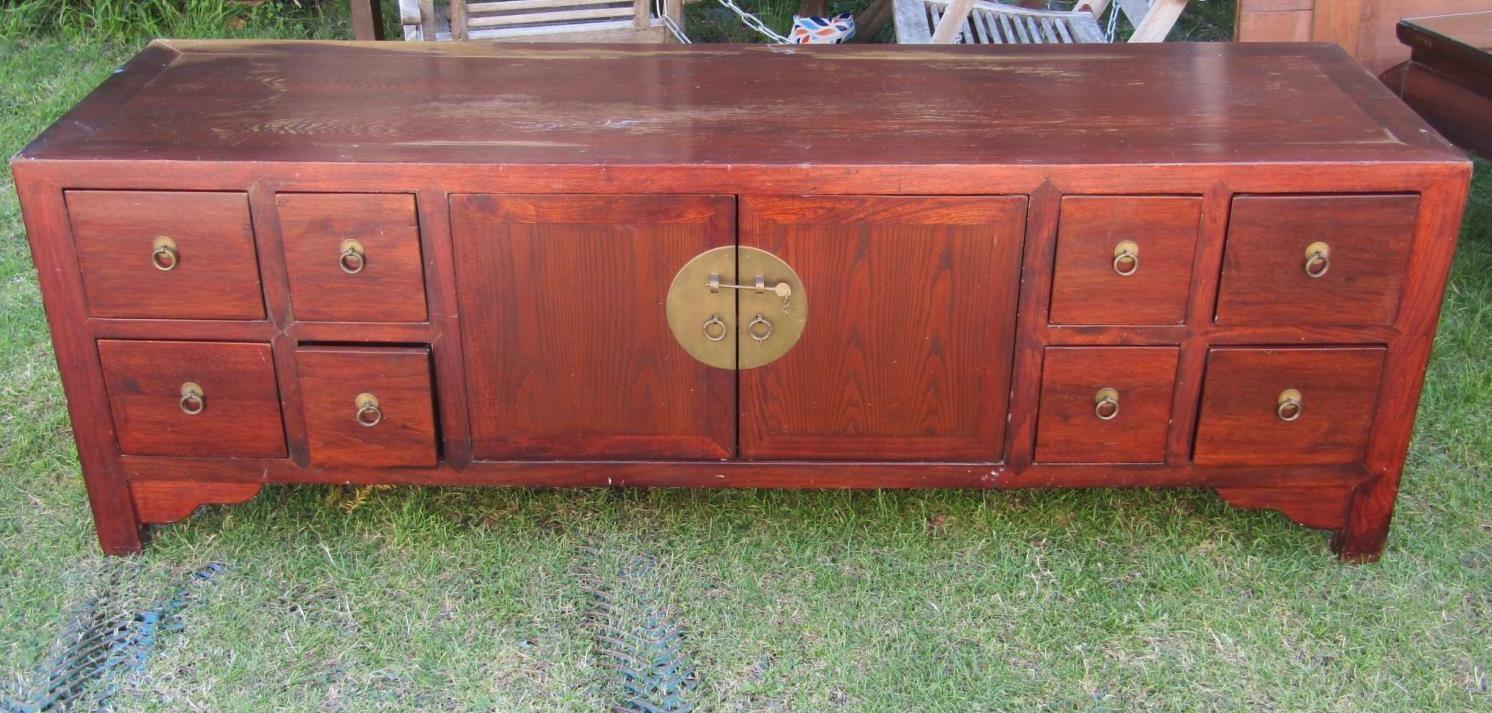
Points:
x=849, y=105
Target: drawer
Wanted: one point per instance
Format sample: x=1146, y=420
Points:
x=1287, y=406
x=1316, y=260
x=166, y=255
x=368, y=406
x=1105, y=404
x=1124, y=260
x=352, y=257
x=193, y=398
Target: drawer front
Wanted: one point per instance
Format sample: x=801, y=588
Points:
x=353, y=257
x=1124, y=260
x=1324, y=260
x=1105, y=404
x=1287, y=406
x=166, y=255
x=368, y=406
x=215, y=399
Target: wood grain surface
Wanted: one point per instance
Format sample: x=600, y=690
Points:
x=568, y=350
x=1068, y=428
x=216, y=275
x=907, y=351
x=1086, y=289
x=390, y=287
x=1239, y=424
x=331, y=379
x=240, y=417
x=1264, y=279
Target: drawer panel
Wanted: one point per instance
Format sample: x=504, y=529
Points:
x=1105, y=404
x=368, y=406
x=1246, y=417
x=166, y=255
x=1124, y=260
x=1366, y=243
x=353, y=257
x=234, y=412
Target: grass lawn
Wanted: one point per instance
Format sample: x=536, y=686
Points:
x=406, y=599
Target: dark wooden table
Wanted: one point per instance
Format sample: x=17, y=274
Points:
x=1448, y=78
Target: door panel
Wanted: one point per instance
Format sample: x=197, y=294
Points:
x=906, y=354
x=568, y=350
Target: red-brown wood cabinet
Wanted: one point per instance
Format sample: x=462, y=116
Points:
x=1164, y=266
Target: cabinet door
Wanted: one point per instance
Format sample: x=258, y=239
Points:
x=906, y=354
x=568, y=350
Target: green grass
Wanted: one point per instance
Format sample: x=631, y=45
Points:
x=795, y=601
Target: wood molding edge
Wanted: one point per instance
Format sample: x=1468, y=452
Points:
x=162, y=501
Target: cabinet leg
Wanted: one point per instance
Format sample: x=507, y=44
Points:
x=1369, y=512
x=120, y=531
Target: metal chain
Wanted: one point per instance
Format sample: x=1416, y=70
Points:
x=754, y=22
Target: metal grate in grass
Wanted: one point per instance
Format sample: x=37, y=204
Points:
x=636, y=638
x=104, y=641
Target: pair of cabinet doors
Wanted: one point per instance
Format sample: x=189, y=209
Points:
x=906, y=354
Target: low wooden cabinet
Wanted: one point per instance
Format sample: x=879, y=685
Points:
x=609, y=266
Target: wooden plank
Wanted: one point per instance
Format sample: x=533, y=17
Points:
x=953, y=19
x=911, y=22
x=1338, y=21
x=542, y=17
x=1291, y=26
x=1159, y=21
x=458, y=20
x=488, y=8
x=367, y=19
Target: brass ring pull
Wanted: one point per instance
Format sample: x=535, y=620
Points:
x=1318, y=259
x=192, y=401
x=1289, y=407
x=714, y=328
x=1106, y=404
x=352, y=259
x=760, y=328
x=164, y=255
x=369, y=413
x=1126, y=258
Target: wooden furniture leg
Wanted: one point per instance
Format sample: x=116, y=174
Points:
x=367, y=19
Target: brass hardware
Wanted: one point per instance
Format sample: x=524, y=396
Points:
x=715, y=328
x=369, y=413
x=1106, y=404
x=771, y=309
x=1289, y=407
x=1126, y=258
x=164, y=255
x=352, y=259
x=760, y=328
x=192, y=401
x=1318, y=259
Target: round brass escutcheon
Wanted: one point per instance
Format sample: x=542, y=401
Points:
x=192, y=400
x=715, y=328
x=164, y=254
x=736, y=307
x=1106, y=404
x=353, y=259
x=1126, y=258
x=1318, y=259
x=369, y=413
x=1289, y=407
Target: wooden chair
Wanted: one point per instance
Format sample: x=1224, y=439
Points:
x=539, y=20
x=987, y=22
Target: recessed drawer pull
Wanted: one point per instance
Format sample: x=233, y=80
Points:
x=1318, y=259
x=369, y=413
x=192, y=401
x=1126, y=258
x=353, y=258
x=1289, y=407
x=165, y=256
x=1106, y=404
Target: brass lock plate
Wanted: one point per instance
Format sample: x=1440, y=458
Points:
x=737, y=307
